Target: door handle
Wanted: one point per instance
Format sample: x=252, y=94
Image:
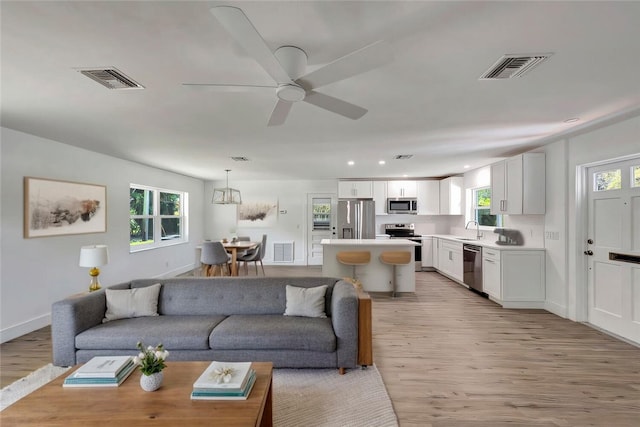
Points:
x=589, y=252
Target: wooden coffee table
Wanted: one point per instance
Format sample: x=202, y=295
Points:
x=129, y=405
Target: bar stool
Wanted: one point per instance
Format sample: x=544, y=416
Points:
x=395, y=258
x=354, y=258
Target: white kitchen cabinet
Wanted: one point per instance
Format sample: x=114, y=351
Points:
x=514, y=278
x=428, y=197
x=451, y=195
x=518, y=185
x=450, y=259
x=402, y=189
x=435, y=246
x=491, y=282
x=355, y=189
x=427, y=252
x=380, y=197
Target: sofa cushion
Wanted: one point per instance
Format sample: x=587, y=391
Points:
x=175, y=332
x=125, y=303
x=274, y=332
x=305, y=302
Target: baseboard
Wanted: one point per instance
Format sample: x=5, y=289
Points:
x=24, y=328
x=175, y=272
x=557, y=309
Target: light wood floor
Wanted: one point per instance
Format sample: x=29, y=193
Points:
x=452, y=358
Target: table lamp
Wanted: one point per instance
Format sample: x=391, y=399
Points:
x=94, y=256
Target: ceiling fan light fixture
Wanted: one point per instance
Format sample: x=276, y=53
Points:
x=290, y=93
x=226, y=195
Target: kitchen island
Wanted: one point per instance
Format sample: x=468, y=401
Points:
x=375, y=276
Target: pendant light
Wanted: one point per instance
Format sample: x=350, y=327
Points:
x=227, y=195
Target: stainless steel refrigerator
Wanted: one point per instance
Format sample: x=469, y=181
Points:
x=356, y=219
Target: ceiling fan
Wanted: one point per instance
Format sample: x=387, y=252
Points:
x=288, y=64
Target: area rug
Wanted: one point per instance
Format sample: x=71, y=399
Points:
x=301, y=397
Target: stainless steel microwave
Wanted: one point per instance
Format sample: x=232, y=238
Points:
x=402, y=205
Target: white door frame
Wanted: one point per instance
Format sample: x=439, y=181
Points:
x=307, y=229
x=582, y=233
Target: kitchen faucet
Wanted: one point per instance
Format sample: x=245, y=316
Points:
x=478, y=233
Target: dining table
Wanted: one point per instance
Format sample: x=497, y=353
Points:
x=233, y=248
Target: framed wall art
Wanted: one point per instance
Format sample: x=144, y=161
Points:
x=258, y=214
x=55, y=208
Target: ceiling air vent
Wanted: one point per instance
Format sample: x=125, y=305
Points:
x=111, y=78
x=514, y=66
x=403, y=156
x=240, y=159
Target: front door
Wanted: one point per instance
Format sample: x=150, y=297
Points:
x=321, y=224
x=613, y=248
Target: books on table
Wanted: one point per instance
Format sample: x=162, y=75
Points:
x=212, y=386
x=101, y=371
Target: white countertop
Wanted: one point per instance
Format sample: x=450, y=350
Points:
x=486, y=243
x=369, y=242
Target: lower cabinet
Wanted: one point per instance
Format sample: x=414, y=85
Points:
x=427, y=252
x=450, y=259
x=514, y=278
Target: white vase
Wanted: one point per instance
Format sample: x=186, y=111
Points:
x=151, y=382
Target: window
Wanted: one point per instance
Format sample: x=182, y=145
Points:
x=157, y=217
x=321, y=214
x=481, y=208
x=607, y=180
x=635, y=176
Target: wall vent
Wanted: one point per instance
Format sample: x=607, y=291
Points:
x=283, y=251
x=514, y=66
x=239, y=159
x=111, y=78
x=403, y=156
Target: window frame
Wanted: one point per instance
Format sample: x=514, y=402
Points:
x=471, y=212
x=156, y=216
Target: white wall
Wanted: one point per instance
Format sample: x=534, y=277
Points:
x=39, y=271
x=220, y=220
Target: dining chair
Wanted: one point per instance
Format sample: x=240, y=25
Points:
x=214, y=254
x=255, y=255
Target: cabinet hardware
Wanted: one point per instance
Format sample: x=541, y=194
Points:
x=589, y=252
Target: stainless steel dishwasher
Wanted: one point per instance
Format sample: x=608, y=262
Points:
x=472, y=263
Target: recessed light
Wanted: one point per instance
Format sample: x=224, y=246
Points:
x=381, y=162
x=351, y=163
x=405, y=175
x=466, y=166
x=572, y=120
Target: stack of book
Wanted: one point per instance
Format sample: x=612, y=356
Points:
x=212, y=385
x=101, y=371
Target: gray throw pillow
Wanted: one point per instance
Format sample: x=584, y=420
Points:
x=126, y=303
x=305, y=302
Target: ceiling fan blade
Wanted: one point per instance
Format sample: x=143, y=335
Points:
x=335, y=105
x=360, y=61
x=242, y=30
x=209, y=87
x=280, y=113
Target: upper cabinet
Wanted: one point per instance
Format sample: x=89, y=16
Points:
x=451, y=195
x=355, y=189
x=428, y=197
x=518, y=185
x=402, y=189
x=380, y=197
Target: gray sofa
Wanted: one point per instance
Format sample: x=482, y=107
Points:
x=223, y=319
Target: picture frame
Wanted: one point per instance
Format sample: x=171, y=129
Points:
x=55, y=208
x=258, y=214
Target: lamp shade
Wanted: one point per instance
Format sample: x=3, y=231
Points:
x=94, y=256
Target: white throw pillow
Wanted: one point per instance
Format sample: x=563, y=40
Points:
x=137, y=302
x=305, y=302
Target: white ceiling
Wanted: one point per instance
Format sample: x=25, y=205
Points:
x=428, y=101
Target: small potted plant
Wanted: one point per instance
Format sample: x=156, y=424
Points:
x=151, y=361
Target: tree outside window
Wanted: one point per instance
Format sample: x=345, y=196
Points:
x=481, y=208
x=156, y=217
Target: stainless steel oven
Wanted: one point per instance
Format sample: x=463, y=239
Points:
x=406, y=231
